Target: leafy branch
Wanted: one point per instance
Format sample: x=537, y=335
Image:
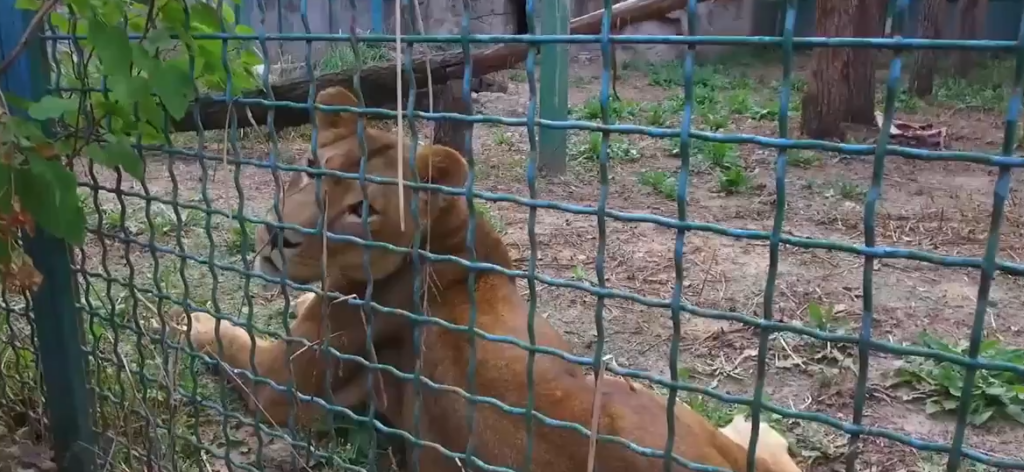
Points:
x=130, y=68
x=941, y=383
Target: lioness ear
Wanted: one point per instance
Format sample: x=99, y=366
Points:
x=441, y=165
x=344, y=122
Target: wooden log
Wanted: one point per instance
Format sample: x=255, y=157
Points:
x=378, y=82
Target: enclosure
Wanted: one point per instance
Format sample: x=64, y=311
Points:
x=865, y=289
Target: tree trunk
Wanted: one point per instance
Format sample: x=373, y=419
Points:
x=970, y=22
x=824, y=105
x=869, y=22
x=453, y=133
x=922, y=78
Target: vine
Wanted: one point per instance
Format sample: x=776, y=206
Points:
x=122, y=70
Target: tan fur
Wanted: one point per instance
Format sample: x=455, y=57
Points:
x=561, y=390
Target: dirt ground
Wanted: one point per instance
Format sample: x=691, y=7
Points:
x=939, y=207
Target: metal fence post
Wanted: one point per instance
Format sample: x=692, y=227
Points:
x=55, y=313
x=554, y=86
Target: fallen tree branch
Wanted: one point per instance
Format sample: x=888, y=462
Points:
x=378, y=82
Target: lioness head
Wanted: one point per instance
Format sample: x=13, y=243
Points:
x=296, y=255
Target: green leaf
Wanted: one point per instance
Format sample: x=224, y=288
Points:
x=1015, y=412
x=28, y=4
x=112, y=47
x=6, y=197
x=117, y=152
x=49, y=192
x=175, y=88
x=50, y=107
x=815, y=314
x=980, y=417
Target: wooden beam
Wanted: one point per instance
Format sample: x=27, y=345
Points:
x=378, y=82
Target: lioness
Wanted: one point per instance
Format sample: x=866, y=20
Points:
x=562, y=391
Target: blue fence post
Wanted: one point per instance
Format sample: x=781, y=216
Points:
x=376, y=16
x=58, y=328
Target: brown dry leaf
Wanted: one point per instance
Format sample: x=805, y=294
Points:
x=918, y=135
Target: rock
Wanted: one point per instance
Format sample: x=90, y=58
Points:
x=650, y=52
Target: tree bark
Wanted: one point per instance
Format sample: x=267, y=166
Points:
x=869, y=23
x=922, y=78
x=970, y=22
x=824, y=105
x=453, y=133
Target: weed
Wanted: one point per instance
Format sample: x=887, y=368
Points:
x=721, y=156
x=661, y=182
x=340, y=58
x=802, y=158
x=847, y=190
x=734, y=180
x=501, y=138
x=656, y=115
x=246, y=231
x=739, y=102
x=940, y=383
x=590, y=149
x=618, y=110
x=715, y=120
x=579, y=274
x=906, y=101
x=483, y=210
x=517, y=75
x=667, y=74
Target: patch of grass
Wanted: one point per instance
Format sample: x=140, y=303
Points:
x=656, y=115
x=720, y=156
x=940, y=384
x=662, y=182
x=847, y=190
x=502, y=138
x=665, y=74
x=340, y=57
x=803, y=158
x=734, y=180
x=905, y=101
x=235, y=238
x=483, y=210
x=988, y=87
x=517, y=75
x=589, y=148
x=618, y=110
x=715, y=119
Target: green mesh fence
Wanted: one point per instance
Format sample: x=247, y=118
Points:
x=159, y=244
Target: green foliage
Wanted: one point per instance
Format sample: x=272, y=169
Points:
x=661, y=182
x=618, y=110
x=341, y=57
x=589, y=149
x=941, y=383
x=149, y=82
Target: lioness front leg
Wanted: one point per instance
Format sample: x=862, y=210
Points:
x=272, y=359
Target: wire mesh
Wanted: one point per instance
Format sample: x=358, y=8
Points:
x=156, y=248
